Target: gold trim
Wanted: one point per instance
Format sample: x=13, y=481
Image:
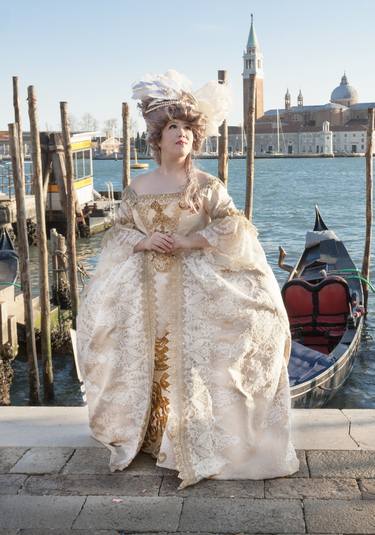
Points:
x=160, y=402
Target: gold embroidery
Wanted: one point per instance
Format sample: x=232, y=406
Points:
x=162, y=457
x=230, y=212
x=155, y=219
x=162, y=261
x=160, y=402
x=161, y=221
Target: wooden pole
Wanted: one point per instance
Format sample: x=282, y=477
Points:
x=126, y=144
x=71, y=213
x=23, y=252
x=250, y=137
x=59, y=268
x=18, y=121
x=369, y=196
x=42, y=248
x=223, y=139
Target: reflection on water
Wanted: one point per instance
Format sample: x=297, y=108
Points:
x=285, y=194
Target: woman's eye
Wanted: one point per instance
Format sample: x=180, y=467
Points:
x=172, y=125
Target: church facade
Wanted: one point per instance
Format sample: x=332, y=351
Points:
x=337, y=127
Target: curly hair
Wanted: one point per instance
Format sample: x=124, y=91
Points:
x=157, y=119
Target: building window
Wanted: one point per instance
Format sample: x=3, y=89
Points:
x=258, y=63
x=362, y=147
x=82, y=163
x=88, y=162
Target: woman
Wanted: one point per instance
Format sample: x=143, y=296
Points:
x=182, y=334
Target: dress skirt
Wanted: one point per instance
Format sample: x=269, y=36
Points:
x=184, y=355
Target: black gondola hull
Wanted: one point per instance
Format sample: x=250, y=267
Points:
x=332, y=257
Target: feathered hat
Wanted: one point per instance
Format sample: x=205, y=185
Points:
x=213, y=99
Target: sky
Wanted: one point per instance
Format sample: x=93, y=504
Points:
x=89, y=52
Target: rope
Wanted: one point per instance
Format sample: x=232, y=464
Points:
x=10, y=284
x=359, y=276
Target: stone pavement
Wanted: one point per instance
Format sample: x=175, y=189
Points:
x=54, y=479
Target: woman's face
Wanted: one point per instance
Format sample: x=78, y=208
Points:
x=176, y=139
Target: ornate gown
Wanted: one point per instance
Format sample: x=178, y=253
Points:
x=184, y=355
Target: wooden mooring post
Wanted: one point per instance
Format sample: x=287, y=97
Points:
x=125, y=144
x=250, y=139
x=59, y=269
x=369, y=197
x=23, y=252
x=42, y=248
x=71, y=213
x=18, y=121
x=223, y=139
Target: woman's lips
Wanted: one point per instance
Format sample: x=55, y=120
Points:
x=181, y=143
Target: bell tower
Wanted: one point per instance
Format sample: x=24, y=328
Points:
x=287, y=100
x=300, y=99
x=253, y=64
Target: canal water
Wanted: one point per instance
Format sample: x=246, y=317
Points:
x=285, y=193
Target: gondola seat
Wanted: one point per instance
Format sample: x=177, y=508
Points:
x=306, y=363
x=318, y=313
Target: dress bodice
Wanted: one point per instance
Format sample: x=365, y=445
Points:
x=164, y=212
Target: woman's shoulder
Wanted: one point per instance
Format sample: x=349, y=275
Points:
x=207, y=181
x=140, y=183
x=137, y=187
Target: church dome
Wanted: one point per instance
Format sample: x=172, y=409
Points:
x=344, y=93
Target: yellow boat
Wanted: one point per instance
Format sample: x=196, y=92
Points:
x=136, y=164
x=83, y=174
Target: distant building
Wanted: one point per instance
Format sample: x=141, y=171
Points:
x=337, y=127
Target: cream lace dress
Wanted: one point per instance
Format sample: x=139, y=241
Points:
x=185, y=356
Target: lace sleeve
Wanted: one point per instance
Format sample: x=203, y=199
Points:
x=232, y=238
x=124, y=232
x=119, y=241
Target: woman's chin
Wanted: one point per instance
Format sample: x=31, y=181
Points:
x=181, y=151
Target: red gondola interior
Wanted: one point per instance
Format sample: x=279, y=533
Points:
x=318, y=313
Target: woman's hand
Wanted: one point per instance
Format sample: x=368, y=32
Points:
x=160, y=242
x=167, y=244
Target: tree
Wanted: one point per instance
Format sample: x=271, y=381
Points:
x=143, y=149
x=88, y=123
x=73, y=122
x=138, y=142
x=110, y=127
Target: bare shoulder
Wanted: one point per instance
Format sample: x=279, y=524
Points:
x=140, y=183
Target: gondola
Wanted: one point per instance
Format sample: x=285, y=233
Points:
x=8, y=259
x=323, y=297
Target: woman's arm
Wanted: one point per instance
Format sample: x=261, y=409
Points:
x=192, y=241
